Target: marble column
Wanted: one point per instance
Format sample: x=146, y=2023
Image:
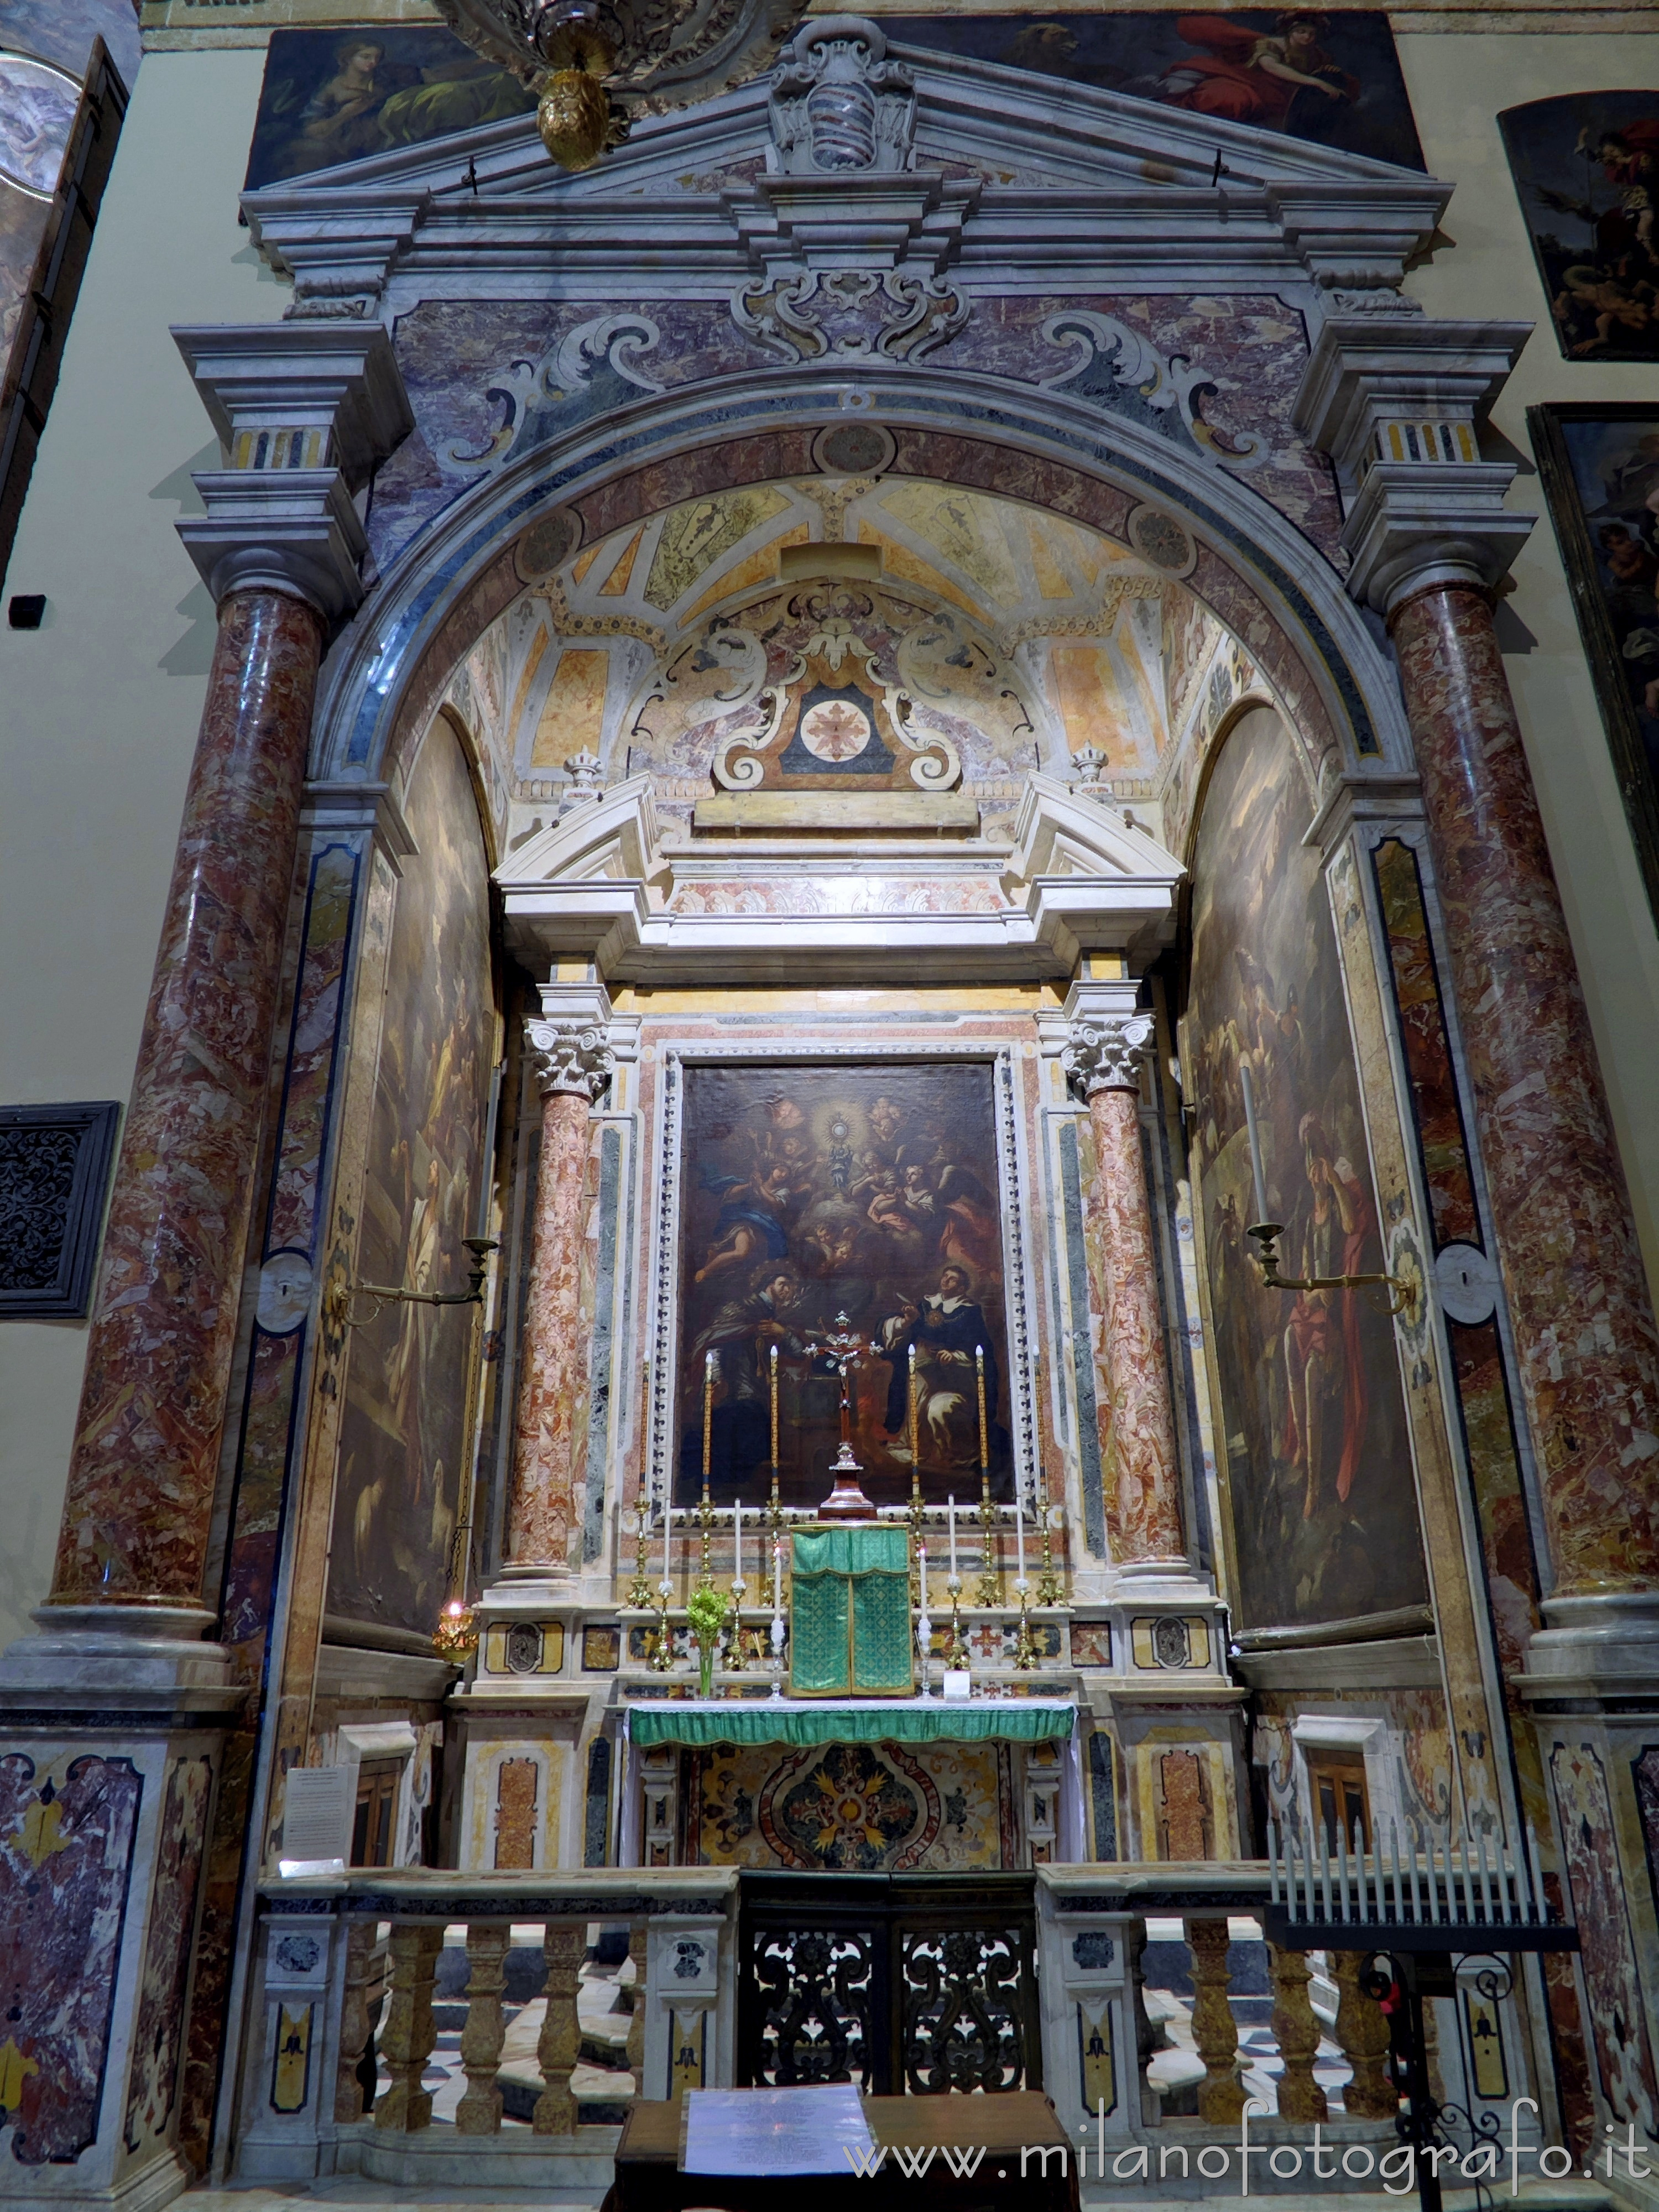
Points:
x=573, y=1065
x=139, y=1502
x=1567, y=1248
x=1143, y=1477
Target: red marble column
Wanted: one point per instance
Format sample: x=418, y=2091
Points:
x=573, y=1065
x=141, y=1480
x=1571, y=1268
x=1143, y=1476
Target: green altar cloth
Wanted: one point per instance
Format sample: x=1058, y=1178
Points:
x=849, y=1613
x=895, y=1720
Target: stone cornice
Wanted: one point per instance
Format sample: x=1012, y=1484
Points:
x=305, y=412
x=293, y=531
x=1414, y=525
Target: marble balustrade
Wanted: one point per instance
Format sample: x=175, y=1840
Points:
x=1173, y=1999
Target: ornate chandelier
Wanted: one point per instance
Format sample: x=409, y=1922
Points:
x=597, y=63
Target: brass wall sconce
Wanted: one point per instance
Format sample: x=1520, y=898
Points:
x=1267, y=1233
x=337, y=1299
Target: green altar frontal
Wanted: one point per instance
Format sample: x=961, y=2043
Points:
x=916, y=1720
x=849, y=1613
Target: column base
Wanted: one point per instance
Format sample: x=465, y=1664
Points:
x=1605, y=1640
x=93, y=1660
x=146, y=2191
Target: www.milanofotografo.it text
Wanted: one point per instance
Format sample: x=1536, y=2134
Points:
x=1396, y=2167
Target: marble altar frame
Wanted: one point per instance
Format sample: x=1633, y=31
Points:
x=1015, y=1188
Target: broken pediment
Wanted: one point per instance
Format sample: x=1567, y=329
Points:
x=602, y=885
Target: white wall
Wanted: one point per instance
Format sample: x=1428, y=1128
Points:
x=99, y=707
x=1457, y=83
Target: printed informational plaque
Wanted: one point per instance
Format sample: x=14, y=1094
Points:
x=760, y=2132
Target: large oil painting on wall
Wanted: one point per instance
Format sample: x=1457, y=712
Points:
x=818, y=1200
x=1324, y=1515
x=1586, y=171
x=334, y=96
x=401, y=1432
x=1600, y=467
x=1333, y=78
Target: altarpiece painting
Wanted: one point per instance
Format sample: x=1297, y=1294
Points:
x=819, y=1201
x=1317, y=1454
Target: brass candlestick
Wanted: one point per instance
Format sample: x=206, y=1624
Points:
x=639, y=1590
x=1049, y=1589
x=663, y=1657
x=706, y=1510
x=1402, y=1289
x=915, y=1487
x=1024, y=1649
x=990, y=1583
x=958, y=1648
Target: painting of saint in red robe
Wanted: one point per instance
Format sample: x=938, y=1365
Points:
x=1258, y=77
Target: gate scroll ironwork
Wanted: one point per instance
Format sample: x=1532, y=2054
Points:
x=917, y=1984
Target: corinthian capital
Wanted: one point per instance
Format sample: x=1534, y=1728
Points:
x=1105, y=1053
x=571, y=1056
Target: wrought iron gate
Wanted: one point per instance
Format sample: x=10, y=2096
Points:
x=917, y=1984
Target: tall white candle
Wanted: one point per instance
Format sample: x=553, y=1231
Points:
x=1019, y=1533
x=777, y=1578
x=737, y=1540
x=953, y=1536
x=667, y=1526
x=1259, y=1179
x=922, y=1571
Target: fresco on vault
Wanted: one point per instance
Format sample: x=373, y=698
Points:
x=1324, y=1513
x=401, y=1432
x=1334, y=79
x=1586, y=171
x=810, y=1193
x=334, y=96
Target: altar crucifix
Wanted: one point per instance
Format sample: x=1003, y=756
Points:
x=846, y=1500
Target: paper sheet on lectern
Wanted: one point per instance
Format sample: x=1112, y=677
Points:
x=807, y=2130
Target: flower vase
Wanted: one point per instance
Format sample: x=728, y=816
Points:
x=706, y=1656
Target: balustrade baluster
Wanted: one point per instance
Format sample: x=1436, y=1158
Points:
x=636, y=1940
x=565, y=1944
x=407, y=2040
x=1215, y=2033
x=349, y=2103
x=479, y=2113
x=1362, y=2029
x=1297, y=2034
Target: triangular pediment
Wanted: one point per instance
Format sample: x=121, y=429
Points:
x=1023, y=155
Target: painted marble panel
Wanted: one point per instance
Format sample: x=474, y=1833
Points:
x=1332, y=79
x=401, y=1427
x=158, y=2034
x=1324, y=1516
x=816, y=1195
x=333, y=96
x=66, y=1841
x=1222, y=372
x=1623, y=2057
x=855, y=1808
x=1586, y=170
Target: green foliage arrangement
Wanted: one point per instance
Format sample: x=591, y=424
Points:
x=706, y=1611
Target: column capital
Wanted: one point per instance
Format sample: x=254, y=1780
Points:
x=1398, y=402
x=569, y=1041
x=1105, y=1051
x=305, y=412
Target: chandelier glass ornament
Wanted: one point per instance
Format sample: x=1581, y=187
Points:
x=596, y=64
